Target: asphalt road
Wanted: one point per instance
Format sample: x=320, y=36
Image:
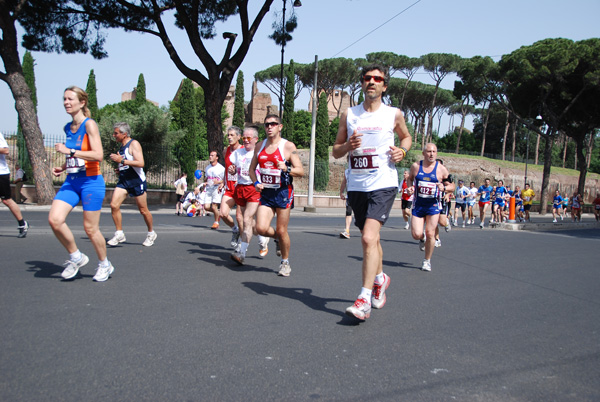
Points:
x=503, y=316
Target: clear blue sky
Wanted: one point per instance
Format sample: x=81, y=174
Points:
x=326, y=27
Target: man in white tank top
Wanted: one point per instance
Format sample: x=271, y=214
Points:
x=366, y=134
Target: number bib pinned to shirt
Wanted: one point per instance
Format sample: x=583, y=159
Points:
x=270, y=178
x=75, y=165
x=427, y=189
x=364, y=161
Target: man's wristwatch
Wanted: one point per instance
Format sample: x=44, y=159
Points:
x=73, y=152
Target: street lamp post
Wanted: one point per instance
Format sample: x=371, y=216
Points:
x=297, y=3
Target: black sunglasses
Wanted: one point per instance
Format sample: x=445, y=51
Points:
x=271, y=124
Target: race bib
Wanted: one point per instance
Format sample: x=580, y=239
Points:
x=122, y=166
x=270, y=178
x=75, y=165
x=427, y=189
x=364, y=161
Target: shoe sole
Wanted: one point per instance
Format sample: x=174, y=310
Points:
x=86, y=259
x=117, y=243
x=349, y=313
x=240, y=262
x=263, y=253
x=112, y=269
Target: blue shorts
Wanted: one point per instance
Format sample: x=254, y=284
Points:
x=134, y=188
x=282, y=197
x=500, y=204
x=421, y=208
x=90, y=190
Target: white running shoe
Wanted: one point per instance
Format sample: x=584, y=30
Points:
x=284, y=269
x=407, y=226
x=149, y=239
x=103, y=273
x=118, y=238
x=438, y=243
x=463, y=224
x=72, y=267
x=361, y=309
x=378, y=296
x=422, y=244
x=426, y=266
x=481, y=225
x=238, y=257
x=23, y=230
x=448, y=227
x=554, y=221
x=345, y=235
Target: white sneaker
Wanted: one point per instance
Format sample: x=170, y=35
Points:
x=481, y=225
x=263, y=244
x=407, y=226
x=284, y=269
x=422, y=244
x=426, y=266
x=118, y=238
x=438, y=243
x=72, y=267
x=463, y=224
x=448, y=227
x=103, y=273
x=149, y=239
x=361, y=309
x=554, y=221
x=238, y=257
x=454, y=223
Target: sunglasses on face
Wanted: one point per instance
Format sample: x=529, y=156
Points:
x=271, y=124
x=247, y=138
x=376, y=78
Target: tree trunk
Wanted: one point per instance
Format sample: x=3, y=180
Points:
x=506, y=127
x=582, y=165
x=546, y=174
x=514, y=139
x=214, y=126
x=26, y=110
x=590, y=149
x=485, y=125
x=566, y=142
x=537, y=149
x=463, y=117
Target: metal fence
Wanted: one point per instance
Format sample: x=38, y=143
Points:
x=166, y=170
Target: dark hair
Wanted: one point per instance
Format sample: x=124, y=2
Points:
x=273, y=116
x=379, y=67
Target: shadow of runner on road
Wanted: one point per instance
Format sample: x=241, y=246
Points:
x=305, y=296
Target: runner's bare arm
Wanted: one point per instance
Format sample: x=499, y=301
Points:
x=343, y=144
x=404, y=139
x=297, y=170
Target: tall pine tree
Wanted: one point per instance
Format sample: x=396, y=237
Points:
x=92, y=97
x=29, y=74
x=322, y=145
x=140, y=91
x=186, y=149
x=288, y=105
x=239, y=116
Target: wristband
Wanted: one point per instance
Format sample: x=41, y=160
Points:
x=256, y=182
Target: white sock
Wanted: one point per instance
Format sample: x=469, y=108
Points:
x=76, y=256
x=243, y=248
x=105, y=262
x=262, y=240
x=366, y=294
x=379, y=279
x=285, y=260
x=118, y=232
x=151, y=232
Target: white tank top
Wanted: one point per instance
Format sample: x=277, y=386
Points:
x=370, y=166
